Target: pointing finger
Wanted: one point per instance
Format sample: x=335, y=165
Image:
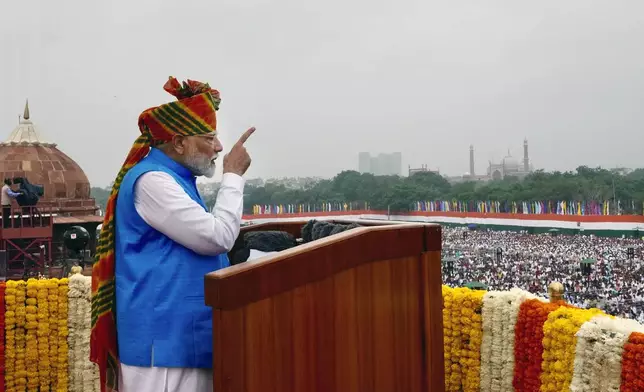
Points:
x=246, y=135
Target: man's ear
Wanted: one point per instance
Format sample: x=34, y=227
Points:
x=179, y=144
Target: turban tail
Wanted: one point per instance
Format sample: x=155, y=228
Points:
x=194, y=113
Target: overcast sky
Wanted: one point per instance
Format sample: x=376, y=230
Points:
x=325, y=80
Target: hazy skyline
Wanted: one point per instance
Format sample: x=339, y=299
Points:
x=324, y=81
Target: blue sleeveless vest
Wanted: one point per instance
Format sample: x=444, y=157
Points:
x=161, y=317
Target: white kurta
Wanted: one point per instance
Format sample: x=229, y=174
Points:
x=165, y=206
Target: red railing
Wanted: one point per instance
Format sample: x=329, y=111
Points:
x=26, y=222
x=26, y=234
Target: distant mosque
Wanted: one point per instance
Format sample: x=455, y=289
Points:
x=508, y=167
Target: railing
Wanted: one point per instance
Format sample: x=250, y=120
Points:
x=25, y=218
x=82, y=206
x=25, y=234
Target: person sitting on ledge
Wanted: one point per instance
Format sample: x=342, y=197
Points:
x=151, y=329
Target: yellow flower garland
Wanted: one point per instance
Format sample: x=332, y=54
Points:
x=52, y=299
x=452, y=368
x=62, y=378
x=36, y=348
x=472, y=321
x=10, y=336
x=462, y=327
x=559, y=342
x=44, y=369
x=20, y=370
x=31, y=352
x=39, y=360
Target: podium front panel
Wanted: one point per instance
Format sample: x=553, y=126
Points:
x=353, y=312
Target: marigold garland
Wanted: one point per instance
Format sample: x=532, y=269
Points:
x=559, y=342
x=52, y=299
x=523, y=343
x=20, y=375
x=462, y=321
x=2, y=336
x=448, y=301
x=450, y=341
x=62, y=379
x=44, y=369
x=493, y=342
x=633, y=364
x=10, y=335
x=36, y=332
x=31, y=352
x=528, y=343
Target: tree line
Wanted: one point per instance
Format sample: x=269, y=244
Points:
x=401, y=194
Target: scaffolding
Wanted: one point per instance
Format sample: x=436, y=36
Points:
x=26, y=237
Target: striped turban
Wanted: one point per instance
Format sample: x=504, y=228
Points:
x=193, y=113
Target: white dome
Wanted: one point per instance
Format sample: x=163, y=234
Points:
x=26, y=133
x=510, y=163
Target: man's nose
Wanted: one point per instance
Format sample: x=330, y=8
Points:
x=218, y=146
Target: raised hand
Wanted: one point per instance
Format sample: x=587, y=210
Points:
x=237, y=160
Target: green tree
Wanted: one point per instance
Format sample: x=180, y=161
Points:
x=401, y=193
x=100, y=195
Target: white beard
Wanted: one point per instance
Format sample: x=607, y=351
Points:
x=200, y=165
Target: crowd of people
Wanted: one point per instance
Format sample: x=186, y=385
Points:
x=596, y=271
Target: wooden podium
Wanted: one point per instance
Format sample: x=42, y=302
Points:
x=357, y=311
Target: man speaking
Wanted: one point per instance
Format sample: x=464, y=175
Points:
x=157, y=243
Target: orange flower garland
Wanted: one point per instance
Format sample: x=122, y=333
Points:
x=528, y=344
x=633, y=364
x=545, y=340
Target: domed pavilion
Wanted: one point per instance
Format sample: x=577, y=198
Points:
x=66, y=188
x=33, y=241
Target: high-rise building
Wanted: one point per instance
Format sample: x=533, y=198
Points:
x=380, y=165
x=364, y=162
